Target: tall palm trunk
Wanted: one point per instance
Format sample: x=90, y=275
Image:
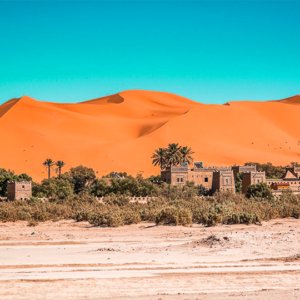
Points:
x=48, y=163
x=60, y=164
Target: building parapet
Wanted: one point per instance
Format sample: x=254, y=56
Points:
x=177, y=169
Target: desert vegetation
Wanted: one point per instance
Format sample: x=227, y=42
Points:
x=73, y=195
x=174, y=206
x=173, y=155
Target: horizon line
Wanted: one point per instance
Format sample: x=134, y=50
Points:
x=145, y=90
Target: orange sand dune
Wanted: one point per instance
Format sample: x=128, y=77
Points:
x=120, y=132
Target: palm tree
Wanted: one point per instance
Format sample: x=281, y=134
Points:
x=60, y=164
x=159, y=158
x=48, y=163
x=173, y=154
x=186, y=155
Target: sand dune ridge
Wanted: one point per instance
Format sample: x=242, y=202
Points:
x=121, y=131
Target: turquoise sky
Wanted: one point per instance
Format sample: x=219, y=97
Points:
x=209, y=51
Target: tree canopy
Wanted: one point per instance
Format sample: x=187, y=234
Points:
x=260, y=191
x=48, y=164
x=82, y=177
x=173, y=155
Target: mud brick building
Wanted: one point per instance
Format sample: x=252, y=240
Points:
x=242, y=169
x=222, y=178
x=290, y=180
x=212, y=178
x=252, y=178
x=223, y=181
x=19, y=190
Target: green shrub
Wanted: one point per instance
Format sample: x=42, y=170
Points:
x=260, y=191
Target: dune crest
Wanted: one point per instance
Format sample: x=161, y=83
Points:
x=114, y=99
x=121, y=131
x=5, y=107
x=291, y=100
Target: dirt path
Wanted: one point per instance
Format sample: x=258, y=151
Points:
x=68, y=260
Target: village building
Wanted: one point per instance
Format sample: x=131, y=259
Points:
x=242, y=169
x=223, y=181
x=211, y=178
x=19, y=190
x=290, y=180
x=223, y=178
x=252, y=178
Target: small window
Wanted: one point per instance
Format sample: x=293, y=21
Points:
x=206, y=179
x=178, y=179
x=257, y=180
x=23, y=186
x=226, y=181
x=181, y=179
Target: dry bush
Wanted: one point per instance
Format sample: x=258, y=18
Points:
x=180, y=209
x=110, y=219
x=131, y=217
x=83, y=215
x=119, y=200
x=174, y=216
x=32, y=223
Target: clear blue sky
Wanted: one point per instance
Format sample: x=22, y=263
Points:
x=209, y=51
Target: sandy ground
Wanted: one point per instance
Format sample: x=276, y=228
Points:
x=69, y=260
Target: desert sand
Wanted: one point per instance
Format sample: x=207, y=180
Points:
x=69, y=260
x=120, y=132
